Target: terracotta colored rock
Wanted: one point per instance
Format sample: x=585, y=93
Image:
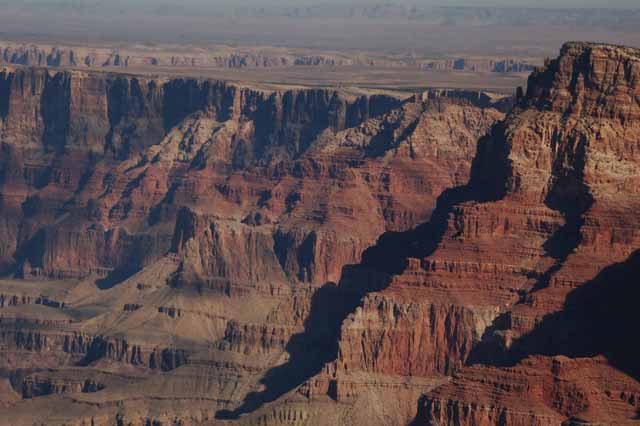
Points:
x=517, y=262
x=307, y=257
x=199, y=230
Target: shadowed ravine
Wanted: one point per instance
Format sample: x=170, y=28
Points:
x=318, y=344
x=490, y=174
x=597, y=318
x=570, y=196
x=331, y=305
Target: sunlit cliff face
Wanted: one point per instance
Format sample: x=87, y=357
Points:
x=327, y=213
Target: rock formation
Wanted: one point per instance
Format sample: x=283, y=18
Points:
x=228, y=255
x=237, y=58
x=167, y=207
x=498, y=65
x=520, y=286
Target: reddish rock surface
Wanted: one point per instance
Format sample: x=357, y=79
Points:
x=197, y=229
x=533, y=257
x=311, y=257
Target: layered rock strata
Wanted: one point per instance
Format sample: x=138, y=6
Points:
x=237, y=58
x=197, y=229
x=305, y=257
x=519, y=287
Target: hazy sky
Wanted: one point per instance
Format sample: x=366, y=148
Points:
x=513, y=3
x=199, y=22
x=266, y=3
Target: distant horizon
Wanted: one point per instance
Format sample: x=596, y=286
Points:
x=505, y=29
x=207, y=6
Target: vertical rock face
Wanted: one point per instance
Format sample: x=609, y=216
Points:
x=200, y=230
x=510, y=285
x=322, y=210
x=248, y=57
x=125, y=115
x=285, y=255
x=121, y=155
x=65, y=135
x=267, y=258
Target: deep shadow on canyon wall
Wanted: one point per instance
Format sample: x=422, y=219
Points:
x=312, y=349
x=120, y=115
x=58, y=127
x=597, y=319
x=492, y=178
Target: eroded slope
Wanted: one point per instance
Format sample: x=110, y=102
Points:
x=199, y=229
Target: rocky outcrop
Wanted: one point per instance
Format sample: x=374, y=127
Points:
x=36, y=385
x=124, y=115
x=87, y=124
x=98, y=57
x=166, y=207
x=273, y=257
x=484, y=65
x=76, y=348
x=18, y=300
x=92, y=168
x=516, y=263
x=299, y=234
x=539, y=391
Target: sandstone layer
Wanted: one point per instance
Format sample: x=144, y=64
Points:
x=227, y=255
x=171, y=242
x=520, y=288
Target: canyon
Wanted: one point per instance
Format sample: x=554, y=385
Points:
x=83, y=56
x=182, y=251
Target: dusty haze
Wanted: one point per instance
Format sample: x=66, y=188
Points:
x=423, y=28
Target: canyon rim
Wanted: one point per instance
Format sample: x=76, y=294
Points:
x=178, y=249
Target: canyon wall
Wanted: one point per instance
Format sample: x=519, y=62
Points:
x=519, y=287
x=69, y=137
x=311, y=257
x=141, y=218
x=237, y=58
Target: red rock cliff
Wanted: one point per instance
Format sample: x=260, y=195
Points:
x=520, y=285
